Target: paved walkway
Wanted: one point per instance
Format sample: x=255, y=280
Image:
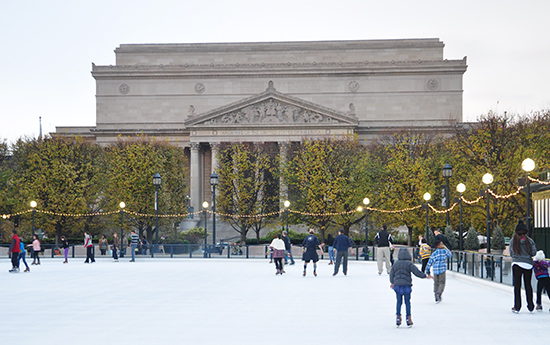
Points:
x=220, y=301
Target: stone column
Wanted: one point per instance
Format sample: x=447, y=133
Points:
x=214, y=149
x=195, y=177
x=283, y=188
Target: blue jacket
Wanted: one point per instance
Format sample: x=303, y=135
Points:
x=342, y=243
x=401, y=270
x=439, y=261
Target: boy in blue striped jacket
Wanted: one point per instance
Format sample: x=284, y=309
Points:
x=438, y=260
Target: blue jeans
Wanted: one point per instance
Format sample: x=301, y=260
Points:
x=134, y=246
x=403, y=292
x=331, y=253
x=22, y=257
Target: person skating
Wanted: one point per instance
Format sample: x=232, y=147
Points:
x=401, y=283
x=22, y=255
x=65, y=246
x=35, y=250
x=310, y=245
x=384, y=240
x=115, y=247
x=330, y=244
x=288, y=248
x=342, y=243
x=540, y=266
x=438, y=260
x=278, y=247
x=425, y=252
x=522, y=248
x=15, y=248
x=134, y=242
x=89, y=248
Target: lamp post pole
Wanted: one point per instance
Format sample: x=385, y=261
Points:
x=528, y=165
x=214, y=180
x=447, y=173
x=461, y=187
x=122, y=206
x=287, y=205
x=205, y=206
x=366, y=202
x=33, y=205
x=157, y=181
x=488, y=179
x=427, y=197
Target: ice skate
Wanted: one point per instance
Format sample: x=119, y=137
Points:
x=409, y=321
x=27, y=270
x=398, y=320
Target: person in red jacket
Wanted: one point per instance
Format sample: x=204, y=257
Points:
x=15, y=248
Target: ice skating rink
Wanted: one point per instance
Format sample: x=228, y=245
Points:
x=238, y=301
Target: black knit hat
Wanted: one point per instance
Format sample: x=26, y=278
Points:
x=521, y=228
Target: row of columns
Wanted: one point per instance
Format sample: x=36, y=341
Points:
x=196, y=179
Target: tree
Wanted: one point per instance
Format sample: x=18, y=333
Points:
x=450, y=234
x=410, y=163
x=498, y=242
x=131, y=164
x=248, y=185
x=64, y=176
x=328, y=180
x=472, y=242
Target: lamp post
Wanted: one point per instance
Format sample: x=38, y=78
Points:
x=427, y=197
x=287, y=205
x=461, y=188
x=205, y=207
x=33, y=205
x=157, y=180
x=214, y=181
x=447, y=173
x=528, y=165
x=488, y=179
x=122, y=206
x=366, y=202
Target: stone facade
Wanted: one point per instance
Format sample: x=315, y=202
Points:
x=198, y=95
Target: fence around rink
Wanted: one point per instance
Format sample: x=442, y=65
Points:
x=493, y=267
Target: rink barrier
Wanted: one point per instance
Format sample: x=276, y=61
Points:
x=492, y=267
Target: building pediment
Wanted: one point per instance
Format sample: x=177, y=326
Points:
x=272, y=109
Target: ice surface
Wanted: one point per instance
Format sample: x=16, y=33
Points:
x=239, y=301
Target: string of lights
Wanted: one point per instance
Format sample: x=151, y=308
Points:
x=311, y=214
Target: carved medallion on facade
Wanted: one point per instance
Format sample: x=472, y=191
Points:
x=433, y=84
x=124, y=89
x=353, y=86
x=199, y=88
x=271, y=111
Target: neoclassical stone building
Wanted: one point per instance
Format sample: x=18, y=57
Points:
x=198, y=95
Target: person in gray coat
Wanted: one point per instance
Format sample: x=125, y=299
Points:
x=522, y=248
x=401, y=283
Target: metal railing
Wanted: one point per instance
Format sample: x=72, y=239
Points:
x=493, y=267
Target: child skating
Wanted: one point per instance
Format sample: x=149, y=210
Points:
x=401, y=283
x=438, y=260
x=540, y=265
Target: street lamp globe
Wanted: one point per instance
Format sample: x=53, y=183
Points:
x=205, y=204
x=366, y=201
x=214, y=179
x=287, y=203
x=427, y=196
x=157, y=180
x=461, y=188
x=122, y=204
x=528, y=165
x=487, y=178
x=33, y=204
x=447, y=170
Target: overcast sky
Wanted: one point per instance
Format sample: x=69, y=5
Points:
x=48, y=46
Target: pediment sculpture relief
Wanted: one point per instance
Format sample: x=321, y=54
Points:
x=271, y=111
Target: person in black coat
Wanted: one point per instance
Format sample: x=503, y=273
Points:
x=310, y=245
